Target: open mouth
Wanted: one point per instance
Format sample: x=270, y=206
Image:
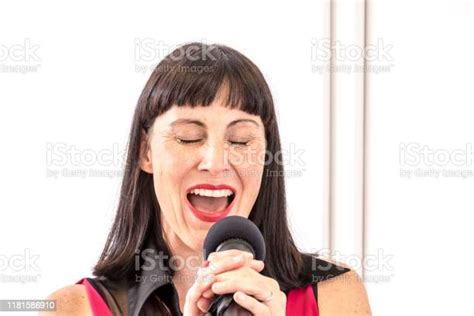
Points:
x=210, y=201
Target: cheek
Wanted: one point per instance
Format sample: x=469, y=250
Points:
x=172, y=161
x=249, y=162
x=251, y=187
x=169, y=171
x=249, y=165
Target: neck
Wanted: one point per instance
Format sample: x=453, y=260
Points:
x=186, y=264
x=185, y=275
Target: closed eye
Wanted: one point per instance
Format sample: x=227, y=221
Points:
x=188, y=141
x=239, y=143
x=193, y=141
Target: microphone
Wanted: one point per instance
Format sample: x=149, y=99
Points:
x=233, y=232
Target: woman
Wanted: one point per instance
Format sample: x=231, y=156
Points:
x=201, y=147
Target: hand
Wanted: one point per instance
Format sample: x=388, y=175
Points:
x=200, y=295
x=240, y=275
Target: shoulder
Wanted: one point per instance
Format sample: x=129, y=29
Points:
x=343, y=294
x=70, y=300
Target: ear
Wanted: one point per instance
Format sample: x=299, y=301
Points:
x=145, y=154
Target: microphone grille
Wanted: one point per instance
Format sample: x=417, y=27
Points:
x=234, y=227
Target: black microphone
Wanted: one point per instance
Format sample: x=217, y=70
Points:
x=233, y=232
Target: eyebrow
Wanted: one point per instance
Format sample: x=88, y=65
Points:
x=187, y=121
x=242, y=120
x=199, y=123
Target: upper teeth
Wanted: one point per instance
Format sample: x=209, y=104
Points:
x=212, y=193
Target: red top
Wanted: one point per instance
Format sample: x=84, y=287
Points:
x=299, y=301
x=302, y=302
x=98, y=306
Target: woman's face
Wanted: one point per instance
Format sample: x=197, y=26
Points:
x=193, y=149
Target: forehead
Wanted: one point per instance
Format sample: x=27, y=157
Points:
x=214, y=114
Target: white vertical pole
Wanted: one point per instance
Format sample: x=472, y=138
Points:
x=347, y=132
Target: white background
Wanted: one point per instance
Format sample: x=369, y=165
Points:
x=423, y=221
x=85, y=80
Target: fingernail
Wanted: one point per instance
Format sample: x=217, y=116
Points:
x=237, y=258
x=248, y=254
x=239, y=296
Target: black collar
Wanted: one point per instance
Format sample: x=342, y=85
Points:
x=147, y=281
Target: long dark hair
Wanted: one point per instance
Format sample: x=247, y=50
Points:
x=192, y=75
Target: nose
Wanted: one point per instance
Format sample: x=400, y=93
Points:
x=215, y=159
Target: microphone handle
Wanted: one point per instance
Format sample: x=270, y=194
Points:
x=224, y=305
x=236, y=310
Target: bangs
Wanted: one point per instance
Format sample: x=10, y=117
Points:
x=195, y=74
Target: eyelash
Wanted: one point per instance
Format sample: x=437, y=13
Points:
x=194, y=141
x=240, y=143
x=187, y=142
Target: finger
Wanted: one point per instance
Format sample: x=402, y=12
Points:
x=195, y=292
x=254, y=306
x=230, y=263
x=257, y=265
x=250, y=282
x=243, y=279
x=232, y=285
x=226, y=253
x=208, y=293
x=203, y=304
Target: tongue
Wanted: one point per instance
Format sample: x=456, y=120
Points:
x=208, y=204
